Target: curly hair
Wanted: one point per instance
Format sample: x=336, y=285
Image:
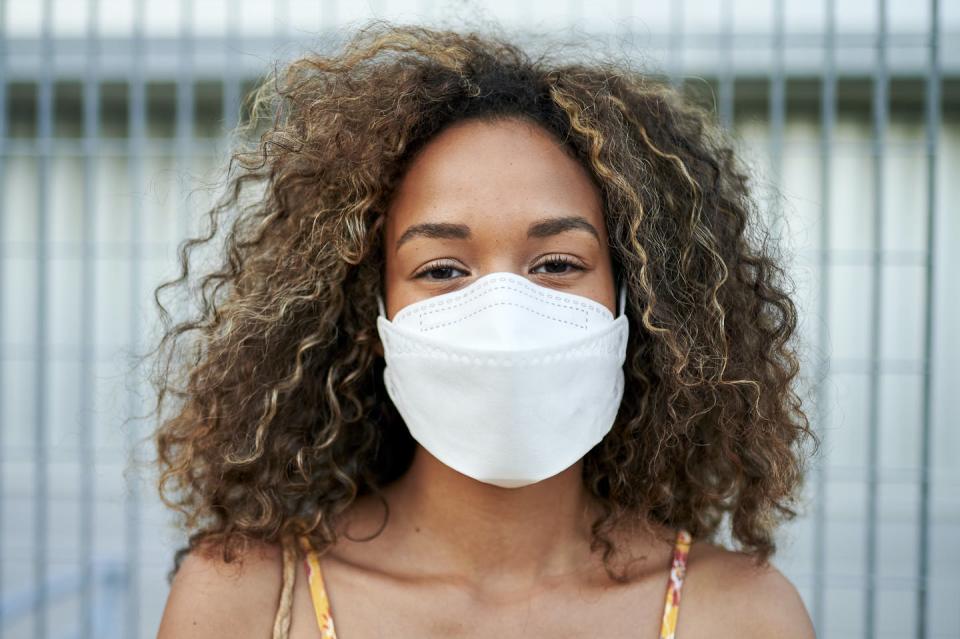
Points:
x=272, y=413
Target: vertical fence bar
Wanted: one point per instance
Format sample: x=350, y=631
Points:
x=91, y=134
x=426, y=10
x=330, y=15
x=3, y=264
x=876, y=286
x=231, y=78
x=726, y=71
x=932, y=118
x=676, y=43
x=777, y=110
x=281, y=24
x=281, y=19
x=828, y=115
x=184, y=113
x=41, y=501
x=137, y=134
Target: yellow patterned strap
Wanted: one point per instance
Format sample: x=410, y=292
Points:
x=668, y=626
x=678, y=569
x=318, y=592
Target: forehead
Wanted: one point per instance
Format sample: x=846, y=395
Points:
x=501, y=174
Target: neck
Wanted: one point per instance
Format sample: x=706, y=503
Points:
x=491, y=533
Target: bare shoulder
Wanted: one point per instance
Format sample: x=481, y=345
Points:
x=212, y=598
x=727, y=594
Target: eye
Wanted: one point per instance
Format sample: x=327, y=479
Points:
x=564, y=263
x=441, y=267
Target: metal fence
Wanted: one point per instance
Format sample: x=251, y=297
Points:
x=113, y=111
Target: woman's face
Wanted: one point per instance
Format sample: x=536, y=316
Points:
x=485, y=197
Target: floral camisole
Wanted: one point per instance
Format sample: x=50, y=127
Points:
x=668, y=623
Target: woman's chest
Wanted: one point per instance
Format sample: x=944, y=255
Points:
x=367, y=610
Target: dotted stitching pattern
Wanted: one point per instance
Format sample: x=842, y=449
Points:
x=506, y=283
x=483, y=308
x=605, y=345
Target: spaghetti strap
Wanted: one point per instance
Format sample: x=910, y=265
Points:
x=678, y=569
x=668, y=625
x=318, y=591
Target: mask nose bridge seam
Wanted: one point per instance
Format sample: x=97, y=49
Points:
x=443, y=305
x=585, y=325
x=608, y=344
x=547, y=296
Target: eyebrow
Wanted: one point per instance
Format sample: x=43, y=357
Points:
x=540, y=229
x=554, y=225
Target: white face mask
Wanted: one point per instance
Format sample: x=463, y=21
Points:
x=504, y=380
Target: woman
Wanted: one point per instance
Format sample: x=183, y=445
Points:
x=495, y=349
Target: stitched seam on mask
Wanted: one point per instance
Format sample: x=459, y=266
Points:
x=495, y=285
x=483, y=308
x=495, y=361
x=612, y=341
x=439, y=307
x=501, y=283
x=602, y=346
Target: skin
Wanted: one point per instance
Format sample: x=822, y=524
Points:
x=460, y=558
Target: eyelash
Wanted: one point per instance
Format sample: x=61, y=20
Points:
x=441, y=264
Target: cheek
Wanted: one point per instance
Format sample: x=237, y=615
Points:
x=396, y=295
